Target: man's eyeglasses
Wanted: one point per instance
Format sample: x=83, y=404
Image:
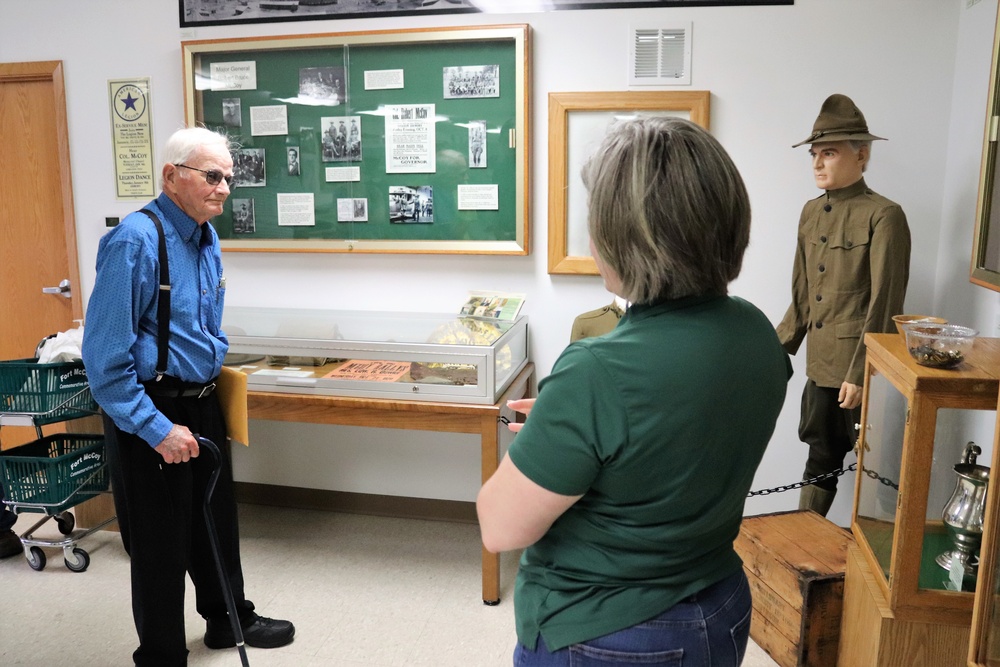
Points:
x=212, y=176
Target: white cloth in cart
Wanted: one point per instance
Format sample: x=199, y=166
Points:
x=64, y=346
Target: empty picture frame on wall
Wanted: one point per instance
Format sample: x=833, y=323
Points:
x=222, y=12
x=577, y=123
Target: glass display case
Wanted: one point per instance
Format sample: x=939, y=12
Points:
x=414, y=356
x=907, y=599
x=918, y=422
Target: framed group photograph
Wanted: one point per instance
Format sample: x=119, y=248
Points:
x=577, y=124
x=223, y=12
x=392, y=141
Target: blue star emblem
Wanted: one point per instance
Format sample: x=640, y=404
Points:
x=130, y=102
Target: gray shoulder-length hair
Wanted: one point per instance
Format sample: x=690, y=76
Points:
x=183, y=143
x=668, y=211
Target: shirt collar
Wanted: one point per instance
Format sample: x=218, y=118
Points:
x=641, y=311
x=186, y=226
x=848, y=192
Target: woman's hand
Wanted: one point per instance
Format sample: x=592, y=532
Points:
x=522, y=405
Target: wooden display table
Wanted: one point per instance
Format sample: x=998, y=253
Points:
x=482, y=420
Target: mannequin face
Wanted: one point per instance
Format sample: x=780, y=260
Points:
x=836, y=165
x=612, y=282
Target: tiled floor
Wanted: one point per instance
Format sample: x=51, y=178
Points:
x=362, y=591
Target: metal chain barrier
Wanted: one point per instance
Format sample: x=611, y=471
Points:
x=798, y=485
x=825, y=476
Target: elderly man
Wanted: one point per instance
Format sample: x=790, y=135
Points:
x=849, y=278
x=152, y=356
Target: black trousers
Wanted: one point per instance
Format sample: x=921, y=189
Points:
x=160, y=514
x=829, y=431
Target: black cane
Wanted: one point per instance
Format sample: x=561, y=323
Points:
x=213, y=538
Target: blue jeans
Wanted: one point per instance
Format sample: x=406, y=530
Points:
x=708, y=629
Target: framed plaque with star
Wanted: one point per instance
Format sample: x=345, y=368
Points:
x=132, y=139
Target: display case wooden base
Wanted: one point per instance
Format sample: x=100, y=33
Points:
x=871, y=635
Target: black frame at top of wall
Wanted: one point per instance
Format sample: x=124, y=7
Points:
x=194, y=13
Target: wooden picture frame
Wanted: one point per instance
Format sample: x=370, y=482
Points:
x=985, y=266
x=460, y=94
x=576, y=124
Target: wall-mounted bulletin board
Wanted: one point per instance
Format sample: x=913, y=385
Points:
x=404, y=141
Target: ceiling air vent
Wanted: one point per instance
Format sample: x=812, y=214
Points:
x=660, y=56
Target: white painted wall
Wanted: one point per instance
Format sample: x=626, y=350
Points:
x=918, y=68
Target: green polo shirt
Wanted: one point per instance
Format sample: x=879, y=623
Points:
x=660, y=425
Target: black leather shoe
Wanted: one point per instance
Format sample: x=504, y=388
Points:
x=10, y=544
x=258, y=631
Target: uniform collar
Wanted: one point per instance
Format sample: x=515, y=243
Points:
x=848, y=192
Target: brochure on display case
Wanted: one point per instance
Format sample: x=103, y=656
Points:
x=492, y=305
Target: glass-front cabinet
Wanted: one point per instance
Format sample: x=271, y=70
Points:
x=917, y=520
x=412, y=356
x=984, y=648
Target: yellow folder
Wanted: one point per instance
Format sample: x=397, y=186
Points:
x=232, y=390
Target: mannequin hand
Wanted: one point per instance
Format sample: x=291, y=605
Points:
x=850, y=396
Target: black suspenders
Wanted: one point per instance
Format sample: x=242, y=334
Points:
x=163, y=302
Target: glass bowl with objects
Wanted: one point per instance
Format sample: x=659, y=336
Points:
x=902, y=320
x=939, y=345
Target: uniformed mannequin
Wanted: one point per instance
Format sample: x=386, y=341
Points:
x=849, y=278
x=599, y=321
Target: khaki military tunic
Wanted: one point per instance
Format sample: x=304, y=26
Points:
x=596, y=322
x=852, y=263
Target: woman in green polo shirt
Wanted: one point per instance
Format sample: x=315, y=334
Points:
x=626, y=484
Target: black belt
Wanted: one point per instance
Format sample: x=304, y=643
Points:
x=154, y=388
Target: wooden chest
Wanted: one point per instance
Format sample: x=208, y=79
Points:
x=795, y=562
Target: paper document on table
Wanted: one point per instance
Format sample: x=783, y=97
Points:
x=370, y=370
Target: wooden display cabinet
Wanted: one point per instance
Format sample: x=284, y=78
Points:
x=915, y=428
x=984, y=647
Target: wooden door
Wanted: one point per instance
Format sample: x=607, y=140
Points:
x=37, y=225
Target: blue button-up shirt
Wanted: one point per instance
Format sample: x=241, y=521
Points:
x=120, y=331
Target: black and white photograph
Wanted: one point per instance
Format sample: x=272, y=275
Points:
x=293, y=160
x=222, y=12
x=409, y=204
x=471, y=81
x=352, y=210
x=249, y=168
x=232, y=112
x=477, y=144
x=341, y=138
x=322, y=86
x=243, y=218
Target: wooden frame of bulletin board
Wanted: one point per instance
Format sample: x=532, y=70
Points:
x=577, y=123
x=393, y=141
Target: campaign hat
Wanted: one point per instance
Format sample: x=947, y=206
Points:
x=839, y=119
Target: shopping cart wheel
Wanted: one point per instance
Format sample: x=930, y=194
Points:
x=36, y=559
x=80, y=562
x=66, y=522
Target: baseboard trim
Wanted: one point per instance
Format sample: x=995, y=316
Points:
x=356, y=503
